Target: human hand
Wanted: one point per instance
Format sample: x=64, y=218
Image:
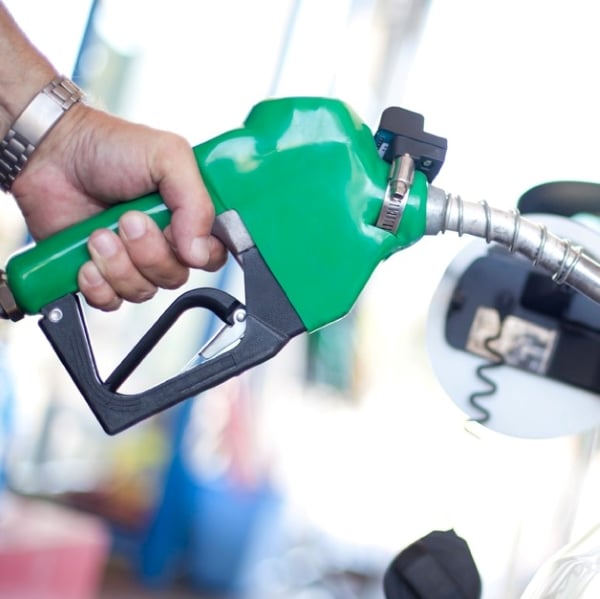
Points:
x=91, y=160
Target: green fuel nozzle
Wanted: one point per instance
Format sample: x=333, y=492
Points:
x=304, y=180
x=309, y=202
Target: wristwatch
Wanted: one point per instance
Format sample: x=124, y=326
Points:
x=33, y=124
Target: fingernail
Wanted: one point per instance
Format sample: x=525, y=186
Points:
x=91, y=275
x=199, y=250
x=132, y=225
x=104, y=244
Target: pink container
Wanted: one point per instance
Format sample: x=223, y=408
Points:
x=49, y=552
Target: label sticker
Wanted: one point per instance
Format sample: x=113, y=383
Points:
x=521, y=344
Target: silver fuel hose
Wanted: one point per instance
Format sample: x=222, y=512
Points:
x=565, y=262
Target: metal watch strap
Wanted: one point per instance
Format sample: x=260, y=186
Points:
x=34, y=123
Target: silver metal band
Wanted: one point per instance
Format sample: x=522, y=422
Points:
x=396, y=193
x=34, y=123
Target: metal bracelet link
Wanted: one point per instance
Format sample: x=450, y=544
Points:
x=64, y=91
x=15, y=150
x=34, y=123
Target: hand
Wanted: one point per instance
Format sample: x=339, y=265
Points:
x=91, y=160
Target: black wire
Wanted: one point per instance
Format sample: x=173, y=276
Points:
x=492, y=386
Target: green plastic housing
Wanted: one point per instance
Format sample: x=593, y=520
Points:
x=307, y=181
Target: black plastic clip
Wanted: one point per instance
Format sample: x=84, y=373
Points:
x=402, y=132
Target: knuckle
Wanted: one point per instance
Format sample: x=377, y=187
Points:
x=173, y=145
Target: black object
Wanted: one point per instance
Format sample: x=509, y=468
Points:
x=270, y=323
x=564, y=198
x=437, y=566
x=402, y=132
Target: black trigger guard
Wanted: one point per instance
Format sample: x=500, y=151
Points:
x=219, y=302
x=270, y=321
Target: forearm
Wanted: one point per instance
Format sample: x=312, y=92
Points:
x=24, y=71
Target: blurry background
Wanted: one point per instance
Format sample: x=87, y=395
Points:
x=306, y=476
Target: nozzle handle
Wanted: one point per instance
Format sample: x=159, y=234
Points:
x=40, y=274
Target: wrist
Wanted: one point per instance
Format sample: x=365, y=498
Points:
x=17, y=92
x=32, y=125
